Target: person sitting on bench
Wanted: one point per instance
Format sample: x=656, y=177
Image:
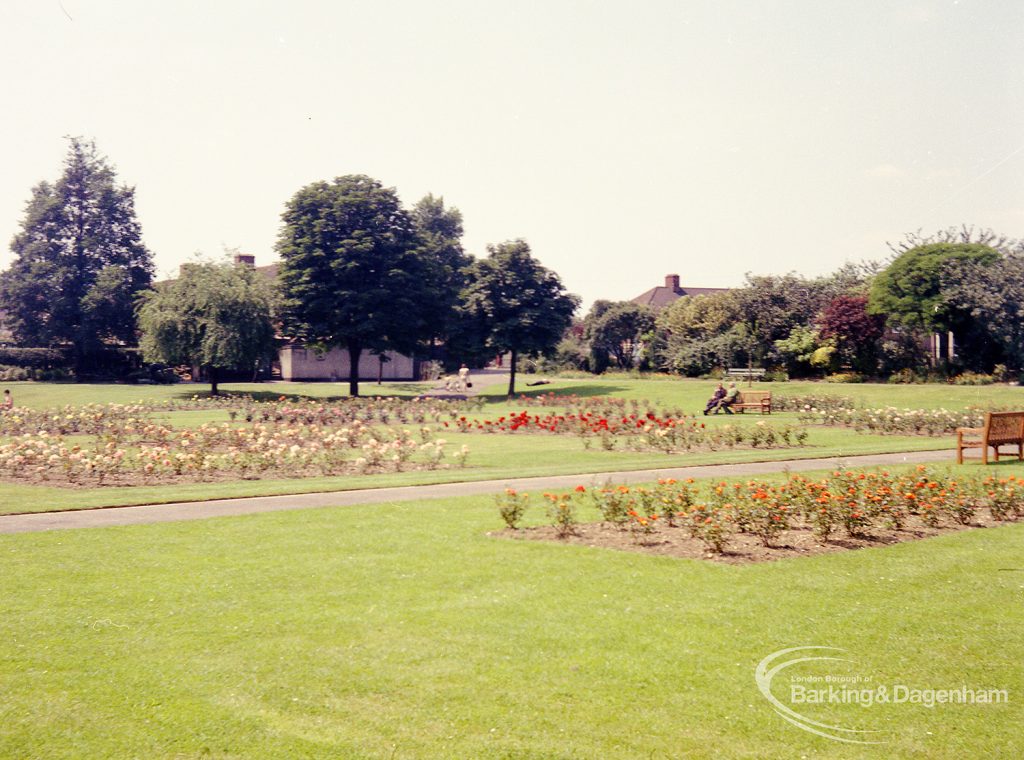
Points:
x=729, y=399
x=713, y=401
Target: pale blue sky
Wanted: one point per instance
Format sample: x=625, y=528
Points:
x=623, y=140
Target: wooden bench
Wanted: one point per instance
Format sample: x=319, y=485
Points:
x=746, y=373
x=1000, y=429
x=760, y=400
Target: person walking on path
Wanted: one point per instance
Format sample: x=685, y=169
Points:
x=713, y=401
x=728, y=400
x=7, y=404
x=463, y=378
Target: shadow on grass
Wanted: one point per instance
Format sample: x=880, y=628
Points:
x=495, y=395
x=368, y=390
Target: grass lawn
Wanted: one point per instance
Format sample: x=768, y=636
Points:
x=404, y=631
x=688, y=393
x=45, y=395
x=693, y=393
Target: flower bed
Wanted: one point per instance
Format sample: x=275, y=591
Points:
x=808, y=402
x=90, y=419
x=313, y=440
x=891, y=420
x=636, y=431
x=757, y=520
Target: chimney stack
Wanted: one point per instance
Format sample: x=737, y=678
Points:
x=248, y=259
x=672, y=282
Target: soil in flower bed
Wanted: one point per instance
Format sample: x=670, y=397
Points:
x=742, y=548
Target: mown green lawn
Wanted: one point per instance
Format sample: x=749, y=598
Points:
x=690, y=394
x=45, y=395
x=405, y=631
x=693, y=393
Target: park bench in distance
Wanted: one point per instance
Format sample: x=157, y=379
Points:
x=760, y=400
x=746, y=373
x=1000, y=429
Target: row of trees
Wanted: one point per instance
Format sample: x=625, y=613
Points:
x=867, y=319
x=362, y=273
x=359, y=272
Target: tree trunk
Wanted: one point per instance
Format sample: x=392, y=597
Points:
x=355, y=350
x=512, y=374
x=212, y=374
x=78, y=359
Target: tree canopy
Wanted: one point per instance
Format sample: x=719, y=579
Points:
x=356, y=272
x=439, y=231
x=617, y=330
x=993, y=294
x=215, y=315
x=80, y=260
x=909, y=290
x=520, y=305
x=856, y=333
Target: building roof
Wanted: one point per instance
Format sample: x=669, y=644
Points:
x=661, y=296
x=269, y=271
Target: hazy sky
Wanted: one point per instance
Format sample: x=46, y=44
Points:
x=623, y=140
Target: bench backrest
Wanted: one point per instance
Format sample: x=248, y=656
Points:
x=1004, y=426
x=753, y=397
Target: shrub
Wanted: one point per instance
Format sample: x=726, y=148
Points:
x=643, y=525
x=973, y=378
x=712, y=525
x=844, y=377
x=11, y=374
x=905, y=376
x=431, y=370
x=34, y=358
x=512, y=506
x=613, y=502
x=562, y=511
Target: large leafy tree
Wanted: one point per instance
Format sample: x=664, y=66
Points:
x=909, y=291
x=520, y=305
x=698, y=333
x=618, y=330
x=439, y=231
x=215, y=315
x=993, y=294
x=771, y=306
x=356, y=273
x=80, y=260
x=856, y=333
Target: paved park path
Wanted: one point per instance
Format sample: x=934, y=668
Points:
x=481, y=378
x=199, y=510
